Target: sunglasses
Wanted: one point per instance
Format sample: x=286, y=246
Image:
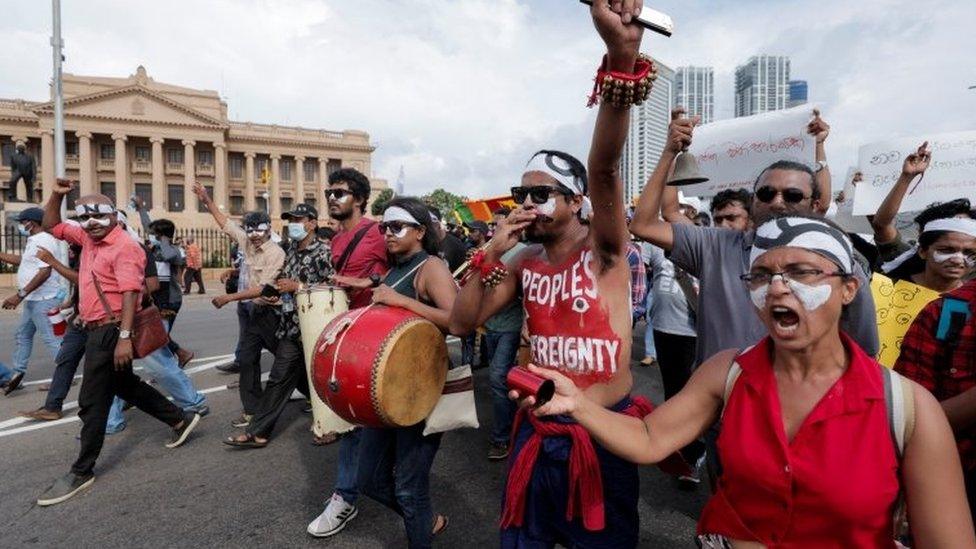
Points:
x=334, y=194
x=540, y=193
x=395, y=226
x=767, y=194
x=85, y=217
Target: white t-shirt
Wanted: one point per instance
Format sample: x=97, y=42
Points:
x=30, y=265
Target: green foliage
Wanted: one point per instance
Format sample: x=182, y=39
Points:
x=443, y=200
x=381, y=201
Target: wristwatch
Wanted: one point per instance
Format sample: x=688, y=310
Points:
x=375, y=280
x=821, y=165
x=125, y=334
x=21, y=294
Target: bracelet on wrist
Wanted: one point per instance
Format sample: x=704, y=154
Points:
x=621, y=89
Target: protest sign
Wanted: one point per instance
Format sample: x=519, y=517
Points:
x=897, y=305
x=951, y=173
x=732, y=153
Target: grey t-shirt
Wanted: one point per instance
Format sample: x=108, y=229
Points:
x=726, y=315
x=669, y=306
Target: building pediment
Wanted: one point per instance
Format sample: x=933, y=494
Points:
x=134, y=103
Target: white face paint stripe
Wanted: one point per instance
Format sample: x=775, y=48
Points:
x=548, y=208
x=811, y=297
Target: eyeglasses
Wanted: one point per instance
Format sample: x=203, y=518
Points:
x=85, y=217
x=767, y=194
x=540, y=193
x=395, y=226
x=334, y=194
x=803, y=276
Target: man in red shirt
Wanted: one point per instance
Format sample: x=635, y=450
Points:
x=937, y=353
x=194, y=266
x=113, y=260
x=359, y=256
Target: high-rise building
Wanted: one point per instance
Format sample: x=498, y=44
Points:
x=798, y=93
x=694, y=89
x=762, y=85
x=648, y=133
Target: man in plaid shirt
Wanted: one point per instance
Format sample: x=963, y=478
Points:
x=939, y=352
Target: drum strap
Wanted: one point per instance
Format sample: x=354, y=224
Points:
x=345, y=325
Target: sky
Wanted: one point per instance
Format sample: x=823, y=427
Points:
x=461, y=92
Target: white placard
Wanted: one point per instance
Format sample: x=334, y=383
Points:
x=951, y=173
x=732, y=153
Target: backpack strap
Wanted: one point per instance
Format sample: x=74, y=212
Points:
x=900, y=405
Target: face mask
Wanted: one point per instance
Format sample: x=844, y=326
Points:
x=23, y=230
x=811, y=297
x=296, y=231
x=960, y=257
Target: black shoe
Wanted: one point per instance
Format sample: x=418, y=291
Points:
x=180, y=435
x=232, y=368
x=497, y=452
x=65, y=488
x=13, y=384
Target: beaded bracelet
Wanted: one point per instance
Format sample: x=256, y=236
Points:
x=492, y=273
x=621, y=89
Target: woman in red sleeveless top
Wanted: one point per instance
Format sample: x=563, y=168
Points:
x=806, y=445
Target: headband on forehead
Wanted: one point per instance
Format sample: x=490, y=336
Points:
x=396, y=213
x=964, y=225
x=809, y=234
x=558, y=169
x=88, y=209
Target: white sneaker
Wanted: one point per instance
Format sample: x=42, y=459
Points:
x=333, y=519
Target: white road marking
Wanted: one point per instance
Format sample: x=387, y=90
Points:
x=136, y=369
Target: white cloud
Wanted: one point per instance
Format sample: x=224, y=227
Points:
x=460, y=93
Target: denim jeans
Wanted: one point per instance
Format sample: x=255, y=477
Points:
x=165, y=368
x=467, y=350
x=649, y=349
x=69, y=357
x=33, y=319
x=394, y=469
x=502, y=349
x=347, y=467
x=243, y=314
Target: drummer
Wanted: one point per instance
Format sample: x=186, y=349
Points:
x=308, y=262
x=394, y=463
x=575, y=283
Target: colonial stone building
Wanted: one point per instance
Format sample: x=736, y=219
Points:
x=126, y=136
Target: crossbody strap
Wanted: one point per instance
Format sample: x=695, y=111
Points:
x=734, y=371
x=352, y=245
x=101, y=297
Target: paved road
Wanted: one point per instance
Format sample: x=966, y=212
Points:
x=207, y=495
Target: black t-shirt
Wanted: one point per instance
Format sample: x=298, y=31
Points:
x=453, y=251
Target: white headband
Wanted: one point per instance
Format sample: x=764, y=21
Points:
x=558, y=169
x=954, y=224
x=801, y=232
x=396, y=213
x=83, y=209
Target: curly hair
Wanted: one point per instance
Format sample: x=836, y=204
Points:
x=358, y=184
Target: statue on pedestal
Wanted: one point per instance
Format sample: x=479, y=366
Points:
x=22, y=166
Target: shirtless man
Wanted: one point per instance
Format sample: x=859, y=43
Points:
x=575, y=283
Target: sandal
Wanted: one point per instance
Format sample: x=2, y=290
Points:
x=325, y=439
x=444, y=521
x=249, y=441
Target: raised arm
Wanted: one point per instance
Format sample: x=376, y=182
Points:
x=657, y=199
x=52, y=208
x=883, y=221
x=671, y=426
x=933, y=482
x=609, y=224
x=204, y=197
x=820, y=130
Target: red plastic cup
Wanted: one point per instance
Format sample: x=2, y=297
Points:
x=528, y=384
x=58, y=323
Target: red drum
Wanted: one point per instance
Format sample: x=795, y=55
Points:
x=380, y=366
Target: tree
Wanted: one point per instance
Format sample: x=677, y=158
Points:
x=381, y=201
x=443, y=201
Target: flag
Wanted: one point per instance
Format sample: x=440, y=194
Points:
x=481, y=210
x=400, y=182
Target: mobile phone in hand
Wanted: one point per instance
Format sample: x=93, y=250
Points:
x=650, y=19
x=269, y=291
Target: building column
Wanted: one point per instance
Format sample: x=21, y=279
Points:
x=299, y=179
x=250, y=202
x=121, y=166
x=220, y=176
x=322, y=183
x=189, y=176
x=86, y=171
x=158, y=175
x=275, y=205
x=47, y=166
